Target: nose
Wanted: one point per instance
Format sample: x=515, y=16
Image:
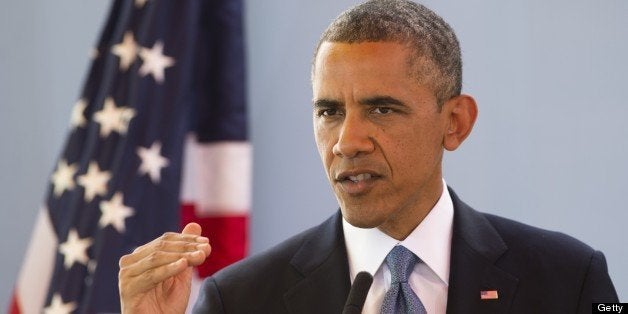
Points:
x=354, y=138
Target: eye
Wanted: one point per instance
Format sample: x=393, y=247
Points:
x=327, y=112
x=382, y=110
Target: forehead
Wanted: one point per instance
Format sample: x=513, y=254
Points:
x=367, y=61
x=340, y=53
x=354, y=72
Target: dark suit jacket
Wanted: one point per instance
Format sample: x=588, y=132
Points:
x=533, y=271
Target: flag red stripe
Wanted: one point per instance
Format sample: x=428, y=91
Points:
x=228, y=236
x=14, y=307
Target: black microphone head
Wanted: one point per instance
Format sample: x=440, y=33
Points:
x=358, y=292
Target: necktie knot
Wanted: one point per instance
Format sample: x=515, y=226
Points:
x=400, y=298
x=401, y=262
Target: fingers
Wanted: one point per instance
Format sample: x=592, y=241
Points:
x=192, y=229
x=169, y=242
x=162, y=258
x=146, y=279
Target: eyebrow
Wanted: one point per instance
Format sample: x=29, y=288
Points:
x=326, y=103
x=371, y=102
x=382, y=101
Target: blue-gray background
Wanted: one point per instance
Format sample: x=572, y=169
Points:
x=549, y=148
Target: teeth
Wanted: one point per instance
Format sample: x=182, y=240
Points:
x=360, y=177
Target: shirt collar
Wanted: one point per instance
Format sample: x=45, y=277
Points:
x=430, y=241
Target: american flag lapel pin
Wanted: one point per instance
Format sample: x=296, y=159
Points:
x=488, y=295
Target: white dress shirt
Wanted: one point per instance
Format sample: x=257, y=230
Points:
x=430, y=241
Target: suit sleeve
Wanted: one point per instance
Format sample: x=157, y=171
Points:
x=597, y=287
x=209, y=300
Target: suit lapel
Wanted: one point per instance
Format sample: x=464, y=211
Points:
x=322, y=261
x=475, y=247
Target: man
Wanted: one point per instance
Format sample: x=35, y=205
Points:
x=387, y=101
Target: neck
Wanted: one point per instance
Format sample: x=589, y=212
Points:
x=401, y=225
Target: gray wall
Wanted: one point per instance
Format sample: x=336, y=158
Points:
x=549, y=147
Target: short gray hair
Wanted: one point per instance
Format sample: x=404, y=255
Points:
x=437, y=60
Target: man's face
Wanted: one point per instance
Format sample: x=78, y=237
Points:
x=379, y=133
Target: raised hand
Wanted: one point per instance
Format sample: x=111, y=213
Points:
x=157, y=276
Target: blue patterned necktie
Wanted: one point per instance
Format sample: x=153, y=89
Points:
x=400, y=298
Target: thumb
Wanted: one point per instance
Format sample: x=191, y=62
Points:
x=192, y=228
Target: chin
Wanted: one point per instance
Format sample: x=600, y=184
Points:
x=361, y=219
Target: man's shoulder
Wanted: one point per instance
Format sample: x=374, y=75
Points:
x=288, y=259
x=486, y=232
x=278, y=256
x=540, y=255
x=264, y=279
x=519, y=236
x=532, y=259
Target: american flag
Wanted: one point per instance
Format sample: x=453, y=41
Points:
x=488, y=295
x=157, y=139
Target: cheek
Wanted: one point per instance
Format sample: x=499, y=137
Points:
x=415, y=149
x=323, y=144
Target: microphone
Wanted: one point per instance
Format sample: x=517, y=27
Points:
x=358, y=292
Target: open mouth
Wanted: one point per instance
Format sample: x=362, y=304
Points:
x=360, y=177
x=357, y=182
x=356, y=176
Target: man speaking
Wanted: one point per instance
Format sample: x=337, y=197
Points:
x=387, y=102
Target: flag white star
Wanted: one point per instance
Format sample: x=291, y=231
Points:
x=58, y=307
x=114, y=213
x=63, y=177
x=152, y=161
x=126, y=50
x=74, y=249
x=126, y=114
x=94, y=181
x=155, y=62
x=140, y=3
x=78, y=114
x=112, y=118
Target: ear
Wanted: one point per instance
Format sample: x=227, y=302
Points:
x=462, y=112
